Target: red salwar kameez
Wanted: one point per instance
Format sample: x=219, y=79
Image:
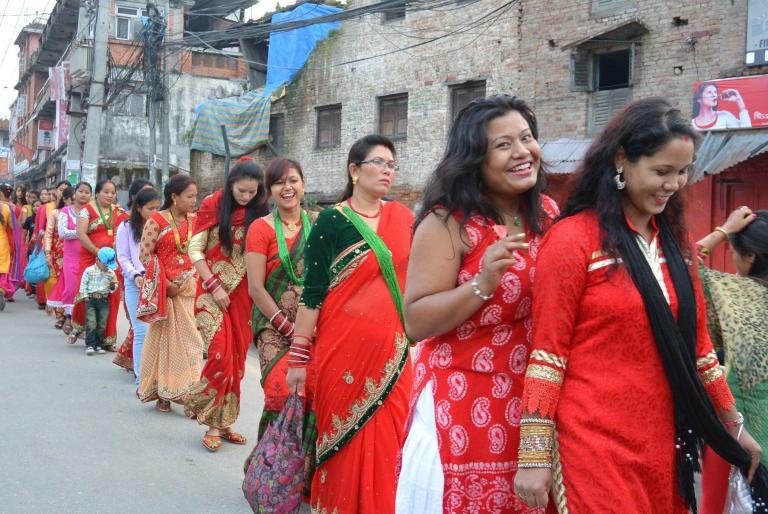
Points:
x=361, y=360
x=476, y=373
x=215, y=400
x=595, y=370
x=101, y=236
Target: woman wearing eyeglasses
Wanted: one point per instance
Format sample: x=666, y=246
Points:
x=349, y=330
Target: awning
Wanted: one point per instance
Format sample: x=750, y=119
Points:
x=623, y=32
x=721, y=150
x=563, y=155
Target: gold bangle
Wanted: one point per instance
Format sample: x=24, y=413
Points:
x=723, y=231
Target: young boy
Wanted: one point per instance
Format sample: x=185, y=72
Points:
x=98, y=281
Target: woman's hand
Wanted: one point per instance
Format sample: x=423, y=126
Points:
x=750, y=446
x=738, y=220
x=295, y=379
x=532, y=486
x=221, y=297
x=497, y=258
x=171, y=289
x=732, y=95
x=138, y=280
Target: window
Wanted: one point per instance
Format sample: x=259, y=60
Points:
x=123, y=29
x=328, y=127
x=610, y=7
x=464, y=93
x=613, y=69
x=277, y=131
x=393, y=116
x=394, y=13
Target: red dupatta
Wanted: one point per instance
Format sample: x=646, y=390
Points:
x=230, y=269
x=163, y=263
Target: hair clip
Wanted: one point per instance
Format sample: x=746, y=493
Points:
x=245, y=158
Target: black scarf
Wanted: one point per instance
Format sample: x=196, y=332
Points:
x=695, y=416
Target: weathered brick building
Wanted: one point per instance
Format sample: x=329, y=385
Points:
x=405, y=73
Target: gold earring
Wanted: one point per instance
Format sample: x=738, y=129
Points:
x=354, y=180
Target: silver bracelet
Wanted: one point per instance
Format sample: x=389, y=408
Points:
x=476, y=289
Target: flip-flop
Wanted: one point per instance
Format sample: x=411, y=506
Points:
x=234, y=437
x=163, y=406
x=212, y=443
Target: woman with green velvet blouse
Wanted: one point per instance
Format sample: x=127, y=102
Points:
x=349, y=331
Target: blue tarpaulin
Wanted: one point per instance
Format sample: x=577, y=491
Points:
x=247, y=117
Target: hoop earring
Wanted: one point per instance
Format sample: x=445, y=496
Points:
x=619, y=178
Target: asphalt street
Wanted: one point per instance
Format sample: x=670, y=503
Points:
x=75, y=438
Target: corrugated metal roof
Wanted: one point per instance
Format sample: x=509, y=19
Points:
x=721, y=150
x=564, y=155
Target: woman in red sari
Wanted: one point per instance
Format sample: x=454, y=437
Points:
x=96, y=227
x=223, y=307
x=349, y=329
x=276, y=279
x=469, y=298
x=172, y=354
x=623, y=385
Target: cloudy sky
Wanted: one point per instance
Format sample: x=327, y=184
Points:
x=15, y=14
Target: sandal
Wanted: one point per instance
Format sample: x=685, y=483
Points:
x=212, y=443
x=59, y=323
x=72, y=337
x=234, y=437
x=67, y=327
x=163, y=405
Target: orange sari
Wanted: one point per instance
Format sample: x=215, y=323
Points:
x=101, y=236
x=215, y=399
x=363, y=373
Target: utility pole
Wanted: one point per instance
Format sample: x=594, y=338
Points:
x=166, y=135
x=96, y=96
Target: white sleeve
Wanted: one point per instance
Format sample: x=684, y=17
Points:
x=61, y=225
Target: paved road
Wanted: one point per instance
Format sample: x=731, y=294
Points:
x=75, y=438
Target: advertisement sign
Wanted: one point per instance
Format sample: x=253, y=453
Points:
x=757, y=33
x=735, y=103
x=45, y=134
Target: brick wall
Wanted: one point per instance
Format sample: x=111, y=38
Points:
x=519, y=53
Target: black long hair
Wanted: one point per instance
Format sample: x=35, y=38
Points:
x=457, y=185
x=639, y=130
x=697, y=97
x=69, y=192
x=359, y=151
x=175, y=186
x=245, y=168
x=136, y=186
x=753, y=239
x=77, y=186
x=142, y=198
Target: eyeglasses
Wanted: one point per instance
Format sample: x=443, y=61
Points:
x=381, y=163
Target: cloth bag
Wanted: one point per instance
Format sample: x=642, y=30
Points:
x=274, y=472
x=37, y=269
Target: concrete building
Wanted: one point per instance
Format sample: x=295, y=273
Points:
x=55, y=61
x=406, y=73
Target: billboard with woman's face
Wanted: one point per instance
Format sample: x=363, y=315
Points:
x=730, y=103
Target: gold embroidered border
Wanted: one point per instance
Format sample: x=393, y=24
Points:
x=361, y=410
x=711, y=375
x=209, y=317
x=707, y=360
x=347, y=270
x=549, y=358
x=544, y=373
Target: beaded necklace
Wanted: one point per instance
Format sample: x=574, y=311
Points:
x=177, y=237
x=282, y=246
x=104, y=220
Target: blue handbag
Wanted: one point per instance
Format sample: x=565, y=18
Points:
x=37, y=269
